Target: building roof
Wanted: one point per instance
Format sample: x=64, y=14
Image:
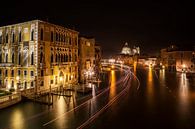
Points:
x=40, y=22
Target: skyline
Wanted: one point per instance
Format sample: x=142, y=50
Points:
x=150, y=25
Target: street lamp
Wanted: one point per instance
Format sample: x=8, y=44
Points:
x=184, y=68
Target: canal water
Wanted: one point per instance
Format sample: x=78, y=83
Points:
x=31, y=115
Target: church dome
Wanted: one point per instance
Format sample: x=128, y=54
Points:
x=126, y=49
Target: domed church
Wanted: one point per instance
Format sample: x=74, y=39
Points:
x=126, y=50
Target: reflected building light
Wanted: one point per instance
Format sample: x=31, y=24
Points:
x=17, y=120
x=183, y=94
x=112, y=84
x=93, y=90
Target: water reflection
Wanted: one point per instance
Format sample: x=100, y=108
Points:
x=134, y=68
x=17, y=120
x=162, y=82
x=112, y=84
x=150, y=84
x=183, y=94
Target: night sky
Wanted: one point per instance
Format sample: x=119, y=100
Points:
x=150, y=25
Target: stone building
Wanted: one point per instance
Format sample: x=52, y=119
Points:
x=177, y=59
x=86, y=58
x=37, y=54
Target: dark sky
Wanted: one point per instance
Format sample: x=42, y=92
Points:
x=150, y=24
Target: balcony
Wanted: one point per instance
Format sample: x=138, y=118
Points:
x=8, y=64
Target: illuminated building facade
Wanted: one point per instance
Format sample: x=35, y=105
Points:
x=86, y=57
x=176, y=59
x=37, y=54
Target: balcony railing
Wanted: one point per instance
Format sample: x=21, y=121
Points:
x=6, y=64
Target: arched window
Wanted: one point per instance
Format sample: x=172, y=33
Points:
x=70, y=58
x=13, y=37
x=13, y=58
x=66, y=58
x=56, y=36
x=59, y=58
x=0, y=39
x=41, y=57
x=32, y=58
x=41, y=34
x=20, y=36
x=19, y=59
x=56, y=58
x=59, y=37
x=0, y=58
x=12, y=85
x=6, y=58
x=75, y=58
x=51, y=58
x=32, y=35
x=62, y=58
x=6, y=38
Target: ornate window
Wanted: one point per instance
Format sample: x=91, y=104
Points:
x=32, y=34
x=32, y=58
x=13, y=58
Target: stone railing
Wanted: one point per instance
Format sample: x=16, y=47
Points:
x=9, y=100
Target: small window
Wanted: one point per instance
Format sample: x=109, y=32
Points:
x=6, y=38
x=52, y=72
x=12, y=73
x=32, y=35
x=13, y=58
x=42, y=83
x=6, y=58
x=12, y=85
x=42, y=73
x=18, y=72
x=32, y=58
x=31, y=73
x=20, y=36
x=32, y=84
x=0, y=39
x=25, y=73
x=19, y=59
x=13, y=37
x=25, y=85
